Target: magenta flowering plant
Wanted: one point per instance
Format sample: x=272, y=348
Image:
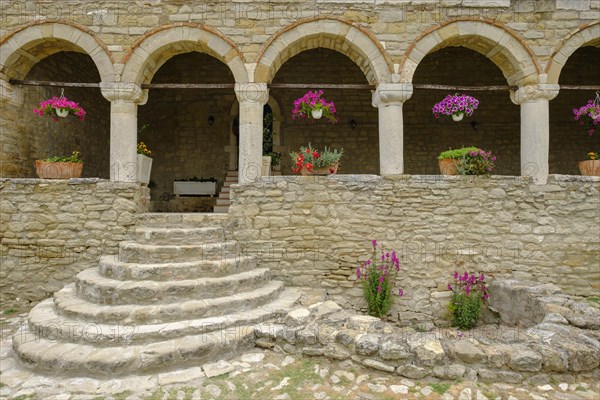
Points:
x=477, y=162
x=468, y=294
x=456, y=105
x=589, y=113
x=311, y=104
x=378, y=275
x=60, y=107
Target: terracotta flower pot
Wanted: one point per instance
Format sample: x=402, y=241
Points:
x=58, y=170
x=449, y=166
x=589, y=167
x=321, y=171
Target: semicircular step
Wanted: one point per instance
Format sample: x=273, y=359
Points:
x=182, y=235
x=111, y=267
x=47, y=322
x=76, y=359
x=93, y=287
x=151, y=253
x=69, y=304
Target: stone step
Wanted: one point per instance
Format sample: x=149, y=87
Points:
x=221, y=209
x=223, y=196
x=110, y=267
x=68, y=304
x=45, y=320
x=46, y=355
x=223, y=202
x=95, y=288
x=226, y=189
x=160, y=235
x=181, y=220
x=134, y=252
x=232, y=173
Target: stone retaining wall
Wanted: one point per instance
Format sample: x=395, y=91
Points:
x=52, y=229
x=497, y=353
x=312, y=231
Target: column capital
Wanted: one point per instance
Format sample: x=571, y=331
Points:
x=533, y=93
x=252, y=93
x=392, y=93
x=127, y=92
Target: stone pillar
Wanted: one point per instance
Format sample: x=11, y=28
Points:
x=124, y=98
x=252, y=97
x=389, y=98
x=535, y=129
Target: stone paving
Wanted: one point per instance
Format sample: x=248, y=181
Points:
x=273, y=375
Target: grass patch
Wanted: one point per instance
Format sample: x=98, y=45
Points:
x=440, y=388
x=157, y=395
x=2, y=385
x=9, y=311
x=123, y=395
x=580, y=388
x=24, y=397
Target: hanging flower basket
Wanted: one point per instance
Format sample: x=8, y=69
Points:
x=589, y=114
x=60, y=107
x=456, y=106
x=312, y=105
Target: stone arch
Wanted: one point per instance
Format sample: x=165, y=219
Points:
x=583, y=36
x=157, y=46
x=505, y=49
x=24, y=47
x=337, y=34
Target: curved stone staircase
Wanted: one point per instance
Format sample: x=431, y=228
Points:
x=176, y=295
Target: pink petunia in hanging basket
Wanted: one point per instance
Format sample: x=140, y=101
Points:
x=589, y=114
x=60, y=107
x=313, y=105
x=456, y=106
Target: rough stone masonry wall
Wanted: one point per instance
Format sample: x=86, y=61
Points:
x=52, y=229
x=314, y=230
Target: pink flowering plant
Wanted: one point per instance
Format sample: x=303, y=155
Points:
x=60, y=106
x=456, y=105
x=468, y=294
x=304, y=106
x=477, y=162
x=589, y=114
x=378, y=275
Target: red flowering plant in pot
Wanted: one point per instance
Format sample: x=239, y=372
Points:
x=589, y=114
x=309, y=161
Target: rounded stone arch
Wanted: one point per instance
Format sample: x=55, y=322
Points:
x=24, y=47
x=504, y=48
x=336, y=34
x=583, y=36
x=156, y=46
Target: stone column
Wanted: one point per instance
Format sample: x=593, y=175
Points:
x=535, y=129
x=252, y=98
x=389, y=98
x=124, y=98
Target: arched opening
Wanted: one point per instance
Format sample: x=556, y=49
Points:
x=494, y=126
x=188, y=129
x=359, y=140
x=570, y=141
x=33, y=137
